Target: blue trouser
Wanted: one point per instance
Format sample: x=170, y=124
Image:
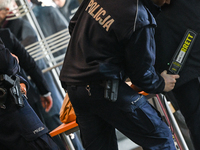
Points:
x=98, y=117
x=21, y=129
x=188, y=98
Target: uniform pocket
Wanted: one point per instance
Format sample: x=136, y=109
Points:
x=126, y=96
x=29, y=124
x=145, y=117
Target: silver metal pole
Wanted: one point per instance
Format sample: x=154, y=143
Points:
x=67, y=141
x=175, y=125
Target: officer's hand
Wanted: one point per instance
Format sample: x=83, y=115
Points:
x=47, y=102
x=23, y=88
x=170, y=80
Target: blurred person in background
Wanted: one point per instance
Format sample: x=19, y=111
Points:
x=173, y=22
x=50, y=20
x=67, y=7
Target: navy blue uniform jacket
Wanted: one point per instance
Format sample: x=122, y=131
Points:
x=109, y=39
x=8, y=64
x=26, y=61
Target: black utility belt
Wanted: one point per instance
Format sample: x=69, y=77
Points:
x=111, y=87
x=99, y=82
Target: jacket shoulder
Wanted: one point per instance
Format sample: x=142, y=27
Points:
x=130, y=16
x=5, y=32
x=7, y=38
x=144, y=17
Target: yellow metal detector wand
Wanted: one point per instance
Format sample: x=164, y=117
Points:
x=182, y=52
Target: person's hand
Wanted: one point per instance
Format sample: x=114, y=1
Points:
x=170, y=80
x=23, y=88
x=15, y=57
x=47, y=102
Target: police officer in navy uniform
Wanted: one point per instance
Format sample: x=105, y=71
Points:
x=28, y=68
x=112, y=40
x=20, y=128
x=169, y=34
